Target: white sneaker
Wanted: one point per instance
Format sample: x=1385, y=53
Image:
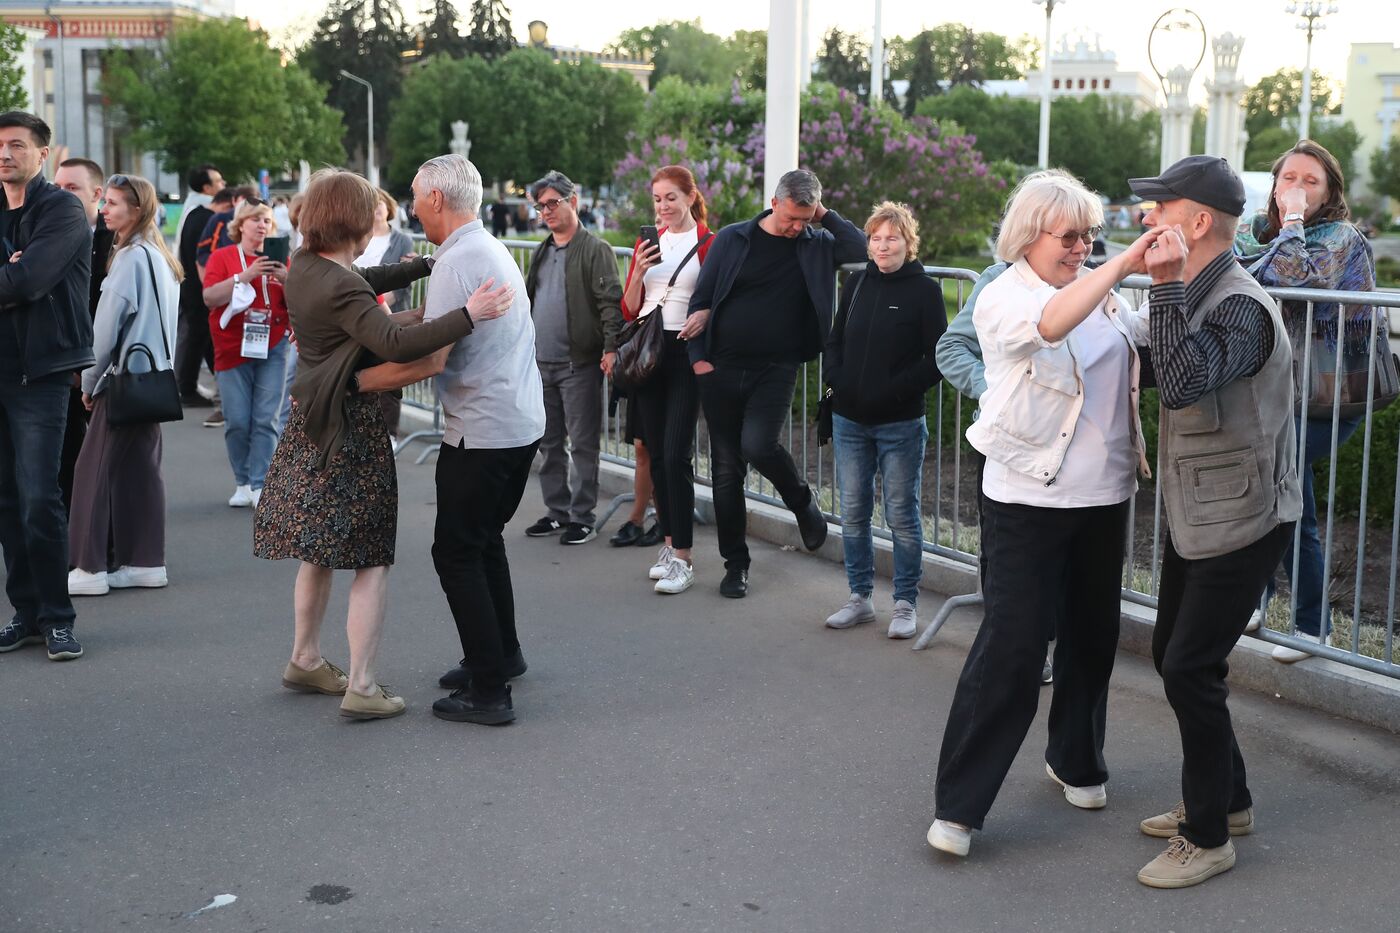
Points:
x=126, y=577
x=1287, y=655
x=1256, y=619
x=858, y=609
x=663, y=562
x=1092, y=797
x=242, y=497
x=905, y=622
x=953, y=838
x=680, y=575
x=257, y=497
x=82, y=583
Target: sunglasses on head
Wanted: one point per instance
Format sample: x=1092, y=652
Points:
x=119, y=181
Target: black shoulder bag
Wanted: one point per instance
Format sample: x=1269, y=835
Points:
x=142, y=398
x=642, y=341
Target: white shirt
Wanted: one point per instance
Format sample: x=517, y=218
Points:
x=374, y=252
x=674, y=247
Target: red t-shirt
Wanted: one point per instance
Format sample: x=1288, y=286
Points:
x=267, y=296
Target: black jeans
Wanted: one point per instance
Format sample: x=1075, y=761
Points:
x=74, y=430
x=193, y=344
x=33, y=521
x=745, y=410
x=669, y=405
x=478, y=491
x=1202, y=609
x=1035, y=558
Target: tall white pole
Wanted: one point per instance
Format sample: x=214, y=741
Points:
x=877, y=59
x=371, y=169
x=781, y=112
x=804, y=60
x=1043, y=154
x=1305, y=107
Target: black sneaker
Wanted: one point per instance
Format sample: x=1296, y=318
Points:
x=811, y=522
x=62, y=645
x=578, y=533
x=17, y=634
x=461, y=706
x=735, y=584
x=627, y=535
x=544, y=528
x=460, y=677
x=652, y=537
x=194, y=400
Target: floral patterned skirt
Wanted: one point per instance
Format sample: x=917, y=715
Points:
x=344, y=516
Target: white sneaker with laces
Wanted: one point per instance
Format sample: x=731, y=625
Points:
x=1287, y=655
x=242, y=497
x=858, y=609
x=1091, y=797
x=680, y=576
x=904, y=622
x=82, y=583
x=126, y=577
x=663, y=562
x=953, y=838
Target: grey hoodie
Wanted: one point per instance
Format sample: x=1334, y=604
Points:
x=130, y=291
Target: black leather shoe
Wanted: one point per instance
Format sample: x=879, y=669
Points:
x=194, y=400
x=459, y=677
x=461, y=706
x=626, y=536
x=812, y=523
x=652, y=537
x=735, y=584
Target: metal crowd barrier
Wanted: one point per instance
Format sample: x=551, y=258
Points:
x=950, y=491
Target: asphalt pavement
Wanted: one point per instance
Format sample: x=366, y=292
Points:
x=683, y=763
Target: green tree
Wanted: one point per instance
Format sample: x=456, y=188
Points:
x=189, y=101
x=683, y=49
x=969, y=57
x=491, y=35
x=1385, y=170
x=442, y=34
x=844, y=61
x=12, y=93
x=1337, y=137
x=1004, y=128
x=1275, y=98
x=923, y=76
x=1125, y=142
x=751, y=51
x=366, y=38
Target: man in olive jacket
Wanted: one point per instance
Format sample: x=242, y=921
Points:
x=45, y=338
x=575, y=299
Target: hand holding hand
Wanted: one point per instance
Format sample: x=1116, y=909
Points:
x=1134, y=258
x=695, y=324
x=1166, y=258
x=487, y=303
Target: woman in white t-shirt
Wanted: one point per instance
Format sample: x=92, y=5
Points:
x=1059, y=427
x=669, y=403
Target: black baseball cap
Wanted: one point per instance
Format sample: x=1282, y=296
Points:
x=1207, y=180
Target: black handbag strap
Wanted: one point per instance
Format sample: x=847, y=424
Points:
x=677, y=274
x=160, y=312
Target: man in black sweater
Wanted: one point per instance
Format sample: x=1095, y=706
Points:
x=193, y=345
x=761, y=308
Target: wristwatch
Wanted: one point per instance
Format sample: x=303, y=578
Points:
x=1290, y=218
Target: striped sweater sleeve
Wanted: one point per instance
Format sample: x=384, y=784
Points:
x=1232, y=343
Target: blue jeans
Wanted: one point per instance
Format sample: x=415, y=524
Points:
x=1316, y=434
x=897, y=451
x=252, y=399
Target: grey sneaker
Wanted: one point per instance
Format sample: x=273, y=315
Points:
x=857, y=610
x=1166, y=825
x=1185, y=864
x=904, y=623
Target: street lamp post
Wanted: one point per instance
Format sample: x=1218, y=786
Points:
x=1308, y=12
x=877, y=59
x=1043, y=156
x=371, y=169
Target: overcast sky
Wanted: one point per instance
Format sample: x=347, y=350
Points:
x=1273, y=40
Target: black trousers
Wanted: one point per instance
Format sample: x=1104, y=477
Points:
x=193, y=344
x=1202, y=609
x=75, y=429
x=669, y=406
x=478, y=492
x=745, y=410
x=1036, y=558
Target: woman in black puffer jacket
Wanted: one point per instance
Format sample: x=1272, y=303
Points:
x=879, y=364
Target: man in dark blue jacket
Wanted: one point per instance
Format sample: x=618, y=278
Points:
x=45, y=338
x=761, y=308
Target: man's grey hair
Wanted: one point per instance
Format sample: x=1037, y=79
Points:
x=558, y=181
x=457, y=179
x=800, y=187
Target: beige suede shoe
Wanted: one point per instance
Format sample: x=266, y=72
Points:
x=380, y=705
x=1164, y=825
x=1185, y=864
x=327, y=679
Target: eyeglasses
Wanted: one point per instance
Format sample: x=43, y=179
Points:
x=546, y=207
x=1087, y=236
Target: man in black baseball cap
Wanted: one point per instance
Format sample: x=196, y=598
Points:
x=1227, y=447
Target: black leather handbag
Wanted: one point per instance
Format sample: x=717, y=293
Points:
x=150, y=397
x=641, y=343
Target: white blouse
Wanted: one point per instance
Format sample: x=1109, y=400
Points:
x=674, y=247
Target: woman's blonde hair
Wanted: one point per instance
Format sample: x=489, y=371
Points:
x=1052, y=200
x=901, y=219
x=338, y=211
x=245, y=210
x=143, y=195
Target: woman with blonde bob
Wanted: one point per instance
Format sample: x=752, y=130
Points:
x=1059, y=428
x=879, y=364
x=331, y=499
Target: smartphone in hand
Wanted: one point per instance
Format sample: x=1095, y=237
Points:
x=277, y=248
x=651, y=236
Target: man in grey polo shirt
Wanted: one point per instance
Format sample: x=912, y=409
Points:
x=494, y=408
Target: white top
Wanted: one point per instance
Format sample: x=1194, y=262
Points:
x=491, y=392
x=374, y=252
x=674, y=247
x=1099, y=465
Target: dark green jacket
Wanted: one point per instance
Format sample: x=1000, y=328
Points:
x=592, y=291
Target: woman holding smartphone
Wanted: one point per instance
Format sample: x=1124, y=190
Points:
x=660, y=281
x=249, y=326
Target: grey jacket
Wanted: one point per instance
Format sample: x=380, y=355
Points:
x=959, y=354
x=129, y=291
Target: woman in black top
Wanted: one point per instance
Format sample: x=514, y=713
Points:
x=879, y=364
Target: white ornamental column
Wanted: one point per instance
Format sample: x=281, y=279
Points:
x=1223, y=115
x=781, y=106
x=1176, y=117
